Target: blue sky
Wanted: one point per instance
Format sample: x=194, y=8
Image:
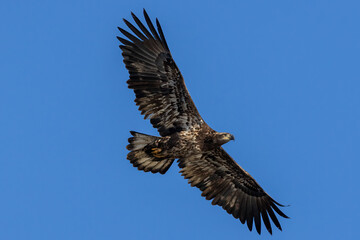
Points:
x=282, y=76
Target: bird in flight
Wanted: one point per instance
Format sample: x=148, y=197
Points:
x=162, y=97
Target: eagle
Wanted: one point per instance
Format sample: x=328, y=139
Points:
x=162, y=97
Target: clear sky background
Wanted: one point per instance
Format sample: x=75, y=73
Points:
x=282, y=76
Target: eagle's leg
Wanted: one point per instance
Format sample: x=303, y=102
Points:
x=147, y=154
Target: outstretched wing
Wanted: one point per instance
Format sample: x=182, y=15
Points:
x=220, y=178
x=159, y=87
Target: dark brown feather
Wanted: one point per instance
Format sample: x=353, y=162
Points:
x=265, y=216
x=141, y=26
x=159, y=87
x=220, y=178
x=151, y=26
x=137, y=32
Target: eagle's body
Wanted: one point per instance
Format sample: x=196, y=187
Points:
x=185, y=143
x=162, y=96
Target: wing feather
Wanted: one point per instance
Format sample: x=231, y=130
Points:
x=151, y=26
x=134, y=29
x=141, y=26
x=221, y=179
x=158, y=85
x=265, y=216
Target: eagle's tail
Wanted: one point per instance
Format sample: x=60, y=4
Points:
x=145, y=155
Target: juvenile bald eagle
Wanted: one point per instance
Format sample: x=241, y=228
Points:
x=162, y=96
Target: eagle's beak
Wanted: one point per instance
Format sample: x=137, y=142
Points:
x=232, y=137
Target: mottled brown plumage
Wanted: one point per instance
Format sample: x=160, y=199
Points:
x=162, y=97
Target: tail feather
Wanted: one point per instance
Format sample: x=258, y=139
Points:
x=142, y=158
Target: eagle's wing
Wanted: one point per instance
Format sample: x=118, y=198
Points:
x=220, y=178
x=157, y=82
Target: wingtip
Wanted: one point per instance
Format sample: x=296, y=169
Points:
x=133, y=16
x=125, y=21
x=279, y=204
x=122, y=30
x=144, y=12
x=157, y=23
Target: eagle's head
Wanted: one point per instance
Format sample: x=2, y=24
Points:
x=223, y=137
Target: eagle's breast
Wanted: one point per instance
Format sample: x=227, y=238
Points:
x=194, y=141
